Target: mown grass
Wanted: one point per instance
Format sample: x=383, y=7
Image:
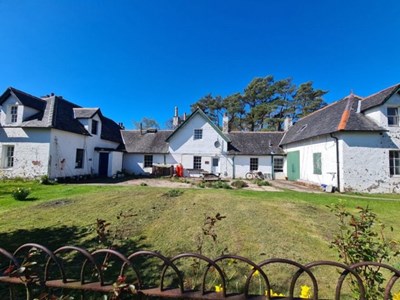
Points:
x=258, y=225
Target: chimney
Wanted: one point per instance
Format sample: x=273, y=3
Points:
x=184, y=116
x=175, y=119
x=287, y=123
x=225, y=123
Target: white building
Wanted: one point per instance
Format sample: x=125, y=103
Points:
x=352, y=144
x=200, y=146
x=54, y=137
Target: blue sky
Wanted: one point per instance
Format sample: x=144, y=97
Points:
x=137, y=59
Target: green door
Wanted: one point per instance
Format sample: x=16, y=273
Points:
x=293, y=165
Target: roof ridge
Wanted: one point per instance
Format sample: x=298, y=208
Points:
x=346, y=113
x=323, y=108
x=25, y=93
x=376, y=93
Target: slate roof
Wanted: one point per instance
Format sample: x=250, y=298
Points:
x=56, y=112
x=255, y=143
x=24, y=98
x=379, y=98
x=146, y=142
x=200, y=112
x=339, y=116
x=85, y=113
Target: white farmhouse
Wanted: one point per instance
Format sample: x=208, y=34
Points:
x=200, y=146
x=352, y=144
x=54, y=137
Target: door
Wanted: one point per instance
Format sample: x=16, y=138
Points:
x=293, y=165
x=215, y=166
x=103, y=164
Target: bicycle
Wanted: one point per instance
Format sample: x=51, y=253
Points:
x=254, y=175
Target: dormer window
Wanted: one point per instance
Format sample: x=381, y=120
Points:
x=95, y=125
x=393, y=116
x=14, y=114
x=198, y=134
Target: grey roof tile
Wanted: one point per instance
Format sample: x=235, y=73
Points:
x=330, y=119
x=378, y=98
x=85, y=113
x=255, y=143
x=146, y=142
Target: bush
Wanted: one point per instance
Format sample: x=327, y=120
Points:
x=45, y=180
x=261, y=182
x=143, y=184
x=20, y=193
x=220, y=185
x=239, y=184
x=173, y=193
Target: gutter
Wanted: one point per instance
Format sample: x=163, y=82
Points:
x=337, y=160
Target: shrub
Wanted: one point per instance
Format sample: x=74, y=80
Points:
x=239, y=184
x=20, y=193
x=220, y=185
x=173, y=193
x=143, y=184
x=45, y=180
x=261, y=182
x=361, y=238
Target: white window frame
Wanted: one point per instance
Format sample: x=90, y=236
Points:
x=148, y=161
x=394, y=162
x=393, y=117
x=8, y=156
x=95, y=127
x=253, y=164
x=197, y=162
x=13, y=113
x=278, y=166
x=198, y=134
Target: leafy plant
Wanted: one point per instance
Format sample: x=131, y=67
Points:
x=261, y=182
x=361, y=238
x=20, y=193
x=45, y=180
x=173, y=193
x=239, y=184
x=143, y=184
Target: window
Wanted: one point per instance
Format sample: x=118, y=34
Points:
x=253, y=164
x=394, y=162
x=215, y=162
x=317, y=163
x=148, y=161
x=198, y=134
x=14, y=114
x=95, y=125
x=79, y=159
x=197, y=162
x=278, y=164
x=8, y=156
x=393, y=116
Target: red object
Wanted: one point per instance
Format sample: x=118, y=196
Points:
x=179, y=170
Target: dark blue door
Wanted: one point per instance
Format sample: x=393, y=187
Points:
x=103, y=164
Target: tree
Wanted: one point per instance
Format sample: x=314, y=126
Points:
x=307, y=100
x=146, y=123
x=212, y=106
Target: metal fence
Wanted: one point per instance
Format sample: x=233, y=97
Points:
x=44, y=274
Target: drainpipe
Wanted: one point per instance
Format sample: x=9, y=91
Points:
x=272, y=167
x=337, y=160
x=233, y=167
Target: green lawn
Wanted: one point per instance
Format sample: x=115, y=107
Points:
x=258, y=225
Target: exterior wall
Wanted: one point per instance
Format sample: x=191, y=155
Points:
x=242, y=165
x=365, y=165
x=183, y=147
x=31, y=152
x=115, y=163
x=325, y=145
x=63, y=154
x=134, y=162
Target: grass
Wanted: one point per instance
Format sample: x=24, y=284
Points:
x=258, y=225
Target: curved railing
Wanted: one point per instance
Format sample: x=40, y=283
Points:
x=34, y=267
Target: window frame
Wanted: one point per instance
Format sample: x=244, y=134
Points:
x=9, y=156
x=148, y=161
x=95, y=127
x=13, y=113
x=253, y=164
x=393, y=117
x=278, y=167
x=317, y=163
x=197, y=162
x=198, y=134
x=392, y=163
x=79, y=158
